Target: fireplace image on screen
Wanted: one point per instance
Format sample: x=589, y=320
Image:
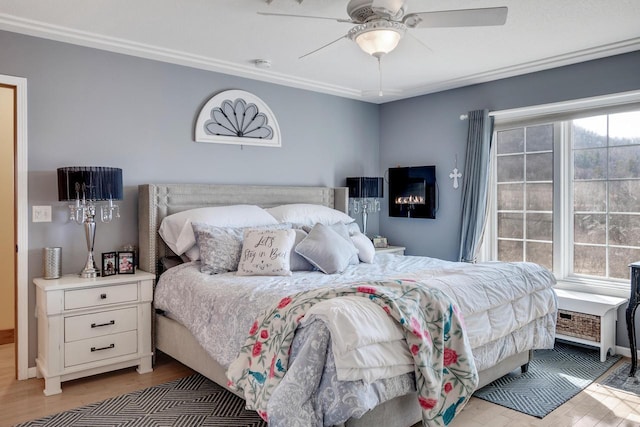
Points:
x=413, y=192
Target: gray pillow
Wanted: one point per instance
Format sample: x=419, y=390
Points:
x=297, y=261
x=220, y=247
x=326, y=249
x=343, y=231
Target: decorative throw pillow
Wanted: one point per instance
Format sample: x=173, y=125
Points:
x=343, y=231
x=308, y=214
x=326, y=249
x=366, y=250
x=266, y=252
x=219, y=247
x=353, y=228
x=298, y=262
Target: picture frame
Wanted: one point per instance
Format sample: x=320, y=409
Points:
x=126, y=262
x=380, y=242
x=109, y=263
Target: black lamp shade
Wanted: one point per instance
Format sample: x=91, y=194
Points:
x=90, y=182
x=363, y=187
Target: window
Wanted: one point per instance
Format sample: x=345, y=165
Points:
x=566, y=193
x=524, y=168
x=606, y=191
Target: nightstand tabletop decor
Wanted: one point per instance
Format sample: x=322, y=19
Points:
x=84, y=186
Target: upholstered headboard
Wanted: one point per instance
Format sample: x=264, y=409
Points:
x=155, y=201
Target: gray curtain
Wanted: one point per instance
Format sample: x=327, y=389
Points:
x=475, y=182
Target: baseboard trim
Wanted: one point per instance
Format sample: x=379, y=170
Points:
x=7, y=336
x=626, y=351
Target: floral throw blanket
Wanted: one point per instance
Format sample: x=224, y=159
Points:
x=432, y=324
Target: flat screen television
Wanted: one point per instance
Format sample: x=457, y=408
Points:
x=413, y=192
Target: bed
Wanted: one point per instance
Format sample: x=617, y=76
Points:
x=171, y=337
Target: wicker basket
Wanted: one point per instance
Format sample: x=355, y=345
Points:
x=579, y=325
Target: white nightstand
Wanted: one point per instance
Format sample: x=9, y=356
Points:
x=90, y=326
x=399, y=250
x=588, y=319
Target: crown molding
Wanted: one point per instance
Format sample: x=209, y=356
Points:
x=113, y=44
x=128, y=47
x=570, y=58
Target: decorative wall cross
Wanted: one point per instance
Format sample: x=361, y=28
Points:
x=455, y=174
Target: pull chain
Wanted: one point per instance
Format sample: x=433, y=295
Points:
x=379, y=77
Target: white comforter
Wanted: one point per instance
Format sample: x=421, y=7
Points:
x=367, y=343
x=512, y=304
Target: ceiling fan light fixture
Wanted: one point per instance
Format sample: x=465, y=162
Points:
x=378, y=37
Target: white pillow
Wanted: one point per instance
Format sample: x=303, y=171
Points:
x=366, y=250
x=177, y=233
x=353, y=228
x=308, y=214
x=266, y=252
x=326, y=249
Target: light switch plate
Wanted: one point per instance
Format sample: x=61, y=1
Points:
x=41, y=213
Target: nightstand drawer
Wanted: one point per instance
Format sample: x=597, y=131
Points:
x=95, y=297
x=98, y=324
x=99, y=348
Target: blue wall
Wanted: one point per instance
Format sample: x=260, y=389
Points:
x=427, y=130
x=92, y=107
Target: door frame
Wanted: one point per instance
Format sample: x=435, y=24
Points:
x=22, y=227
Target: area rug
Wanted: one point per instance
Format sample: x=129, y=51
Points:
x=621, y=380
x=188, y=402
x=554, y=377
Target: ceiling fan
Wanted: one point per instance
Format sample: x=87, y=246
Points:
x=381, y=24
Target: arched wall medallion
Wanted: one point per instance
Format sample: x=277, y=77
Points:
x=237, y=117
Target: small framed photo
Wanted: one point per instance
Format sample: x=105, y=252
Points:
x=109, y=263
x=126, y=262
x=380, y=242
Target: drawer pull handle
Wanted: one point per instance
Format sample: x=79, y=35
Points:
x=103, y=296
x=565, y=316
x=97, y=325
x=103, y=348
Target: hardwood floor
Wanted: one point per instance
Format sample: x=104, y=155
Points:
x=23, y=400
x=596, y=406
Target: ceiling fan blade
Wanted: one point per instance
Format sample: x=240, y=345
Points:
x=348, y=21
x=457, y=18
x=387, y=7
x=322, y=47
x=426, y=46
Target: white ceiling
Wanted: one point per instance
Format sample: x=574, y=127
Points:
x=228, y=36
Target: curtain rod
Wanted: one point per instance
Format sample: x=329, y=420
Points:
x=466, y=116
